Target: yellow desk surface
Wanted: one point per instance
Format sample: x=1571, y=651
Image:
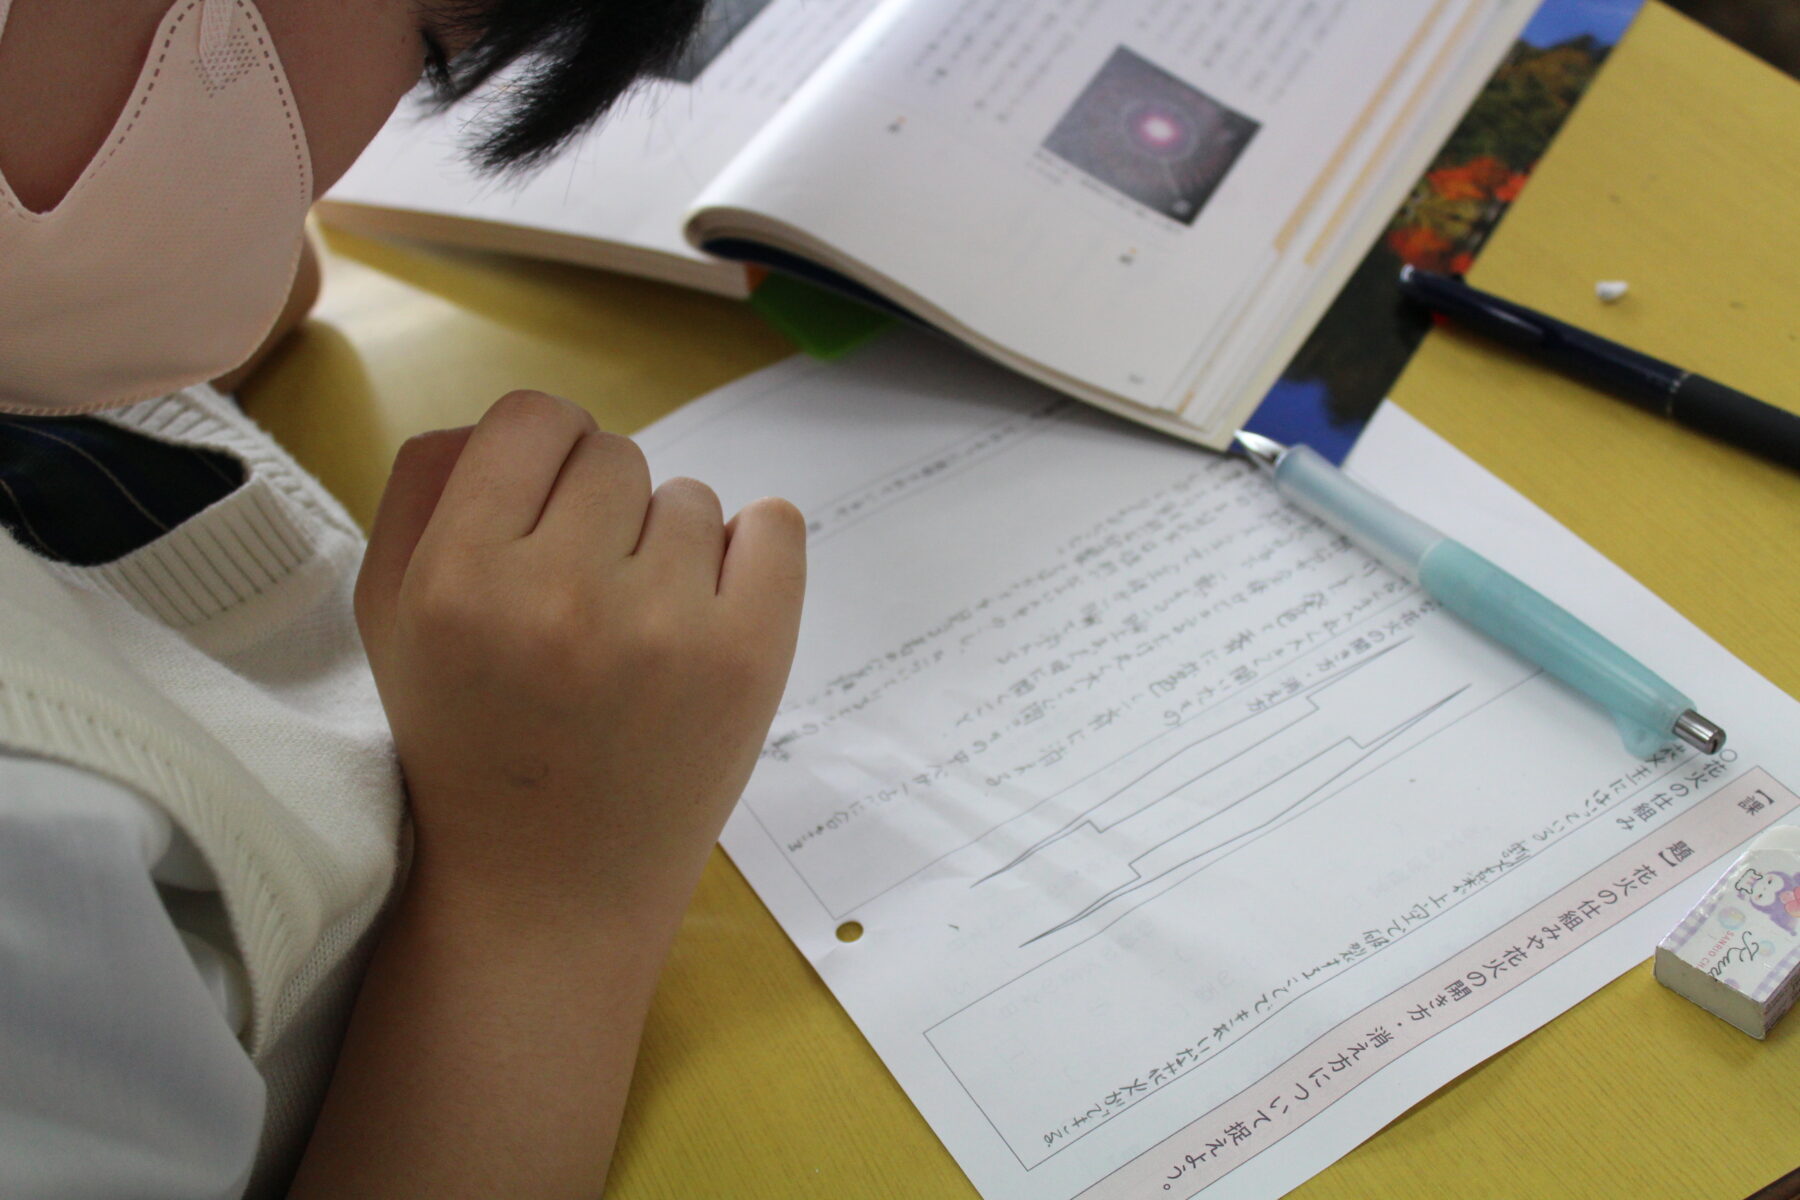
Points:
x=1680, y=172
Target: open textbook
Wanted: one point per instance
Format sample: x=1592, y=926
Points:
x=1189, y=845
x=1146, y=204
x=616, y=198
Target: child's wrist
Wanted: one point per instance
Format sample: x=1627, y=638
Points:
x=474, y=893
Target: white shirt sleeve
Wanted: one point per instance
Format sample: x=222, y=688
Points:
x=121, y=1074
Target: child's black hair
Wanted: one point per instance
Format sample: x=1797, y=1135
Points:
x=576, y=58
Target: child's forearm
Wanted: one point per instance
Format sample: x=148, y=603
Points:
x=579, y=671
x=490, y=1052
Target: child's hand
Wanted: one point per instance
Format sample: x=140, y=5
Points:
x=579, y=673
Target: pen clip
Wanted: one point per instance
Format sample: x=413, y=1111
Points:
x=1523, y=329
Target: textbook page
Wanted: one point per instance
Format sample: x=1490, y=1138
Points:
x=615, y=197
x=1178, y=830
x=1108, y=196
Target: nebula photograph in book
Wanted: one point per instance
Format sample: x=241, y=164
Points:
x=1141, y=131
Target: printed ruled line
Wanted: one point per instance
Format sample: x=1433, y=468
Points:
x=1298, y=808
x=1085, y=816
x=838, y=914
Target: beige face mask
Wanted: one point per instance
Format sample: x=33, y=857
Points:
x=170, y=259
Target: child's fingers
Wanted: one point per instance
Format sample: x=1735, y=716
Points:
x=764, y=571
x=684, y=535
x=598, y=502
x=413, y=488
x=498, y=489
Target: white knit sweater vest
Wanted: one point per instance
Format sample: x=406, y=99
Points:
x=218, y=671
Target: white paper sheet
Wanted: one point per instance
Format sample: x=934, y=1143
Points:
x=1173, y=823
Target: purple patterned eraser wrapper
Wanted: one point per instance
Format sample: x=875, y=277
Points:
x=1737, y=954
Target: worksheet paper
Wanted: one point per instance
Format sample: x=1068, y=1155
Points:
x=1178, y=830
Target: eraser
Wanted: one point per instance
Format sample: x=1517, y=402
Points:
x=1737, y=955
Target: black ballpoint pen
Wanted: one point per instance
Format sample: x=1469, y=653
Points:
x=1694, y=400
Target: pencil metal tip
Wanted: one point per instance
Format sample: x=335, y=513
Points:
x=1699, y=732
x=1264, y=452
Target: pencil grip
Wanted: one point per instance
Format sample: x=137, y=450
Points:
x=1731, y=416
x=1546, y=634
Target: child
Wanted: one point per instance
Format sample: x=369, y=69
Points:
x=200, y=798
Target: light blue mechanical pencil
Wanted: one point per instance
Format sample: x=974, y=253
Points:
x=1647, y=711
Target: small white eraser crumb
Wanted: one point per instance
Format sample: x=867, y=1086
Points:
x=1610, y=290
x=1737, y=955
